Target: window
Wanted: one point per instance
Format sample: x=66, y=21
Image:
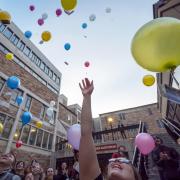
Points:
x=15, y=94
x=18, y=131
x=58, y=81
x=32, y=138
x=159, y=123
x=50, y=141
x=25, y=133
x=2, y=27
x=39, y=138
x=30, y=55
x=2, y=81
x=2, y=118
x=26, y=51
x=50, y=73
x=43, y=112
x=42, y=66
x=46, y=70
x=38, y=61
x=28, y=103
x=150, y=111
x=14, y=39
x=54, y=77
x=21, y=45
x=45, y=138
x=122, y=116
x=8, y=33
x=7, y=127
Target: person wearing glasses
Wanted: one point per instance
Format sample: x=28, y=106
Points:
x=118, y=168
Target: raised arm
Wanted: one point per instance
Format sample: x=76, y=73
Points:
x=89, y=167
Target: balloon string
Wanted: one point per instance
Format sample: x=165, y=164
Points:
x=20, y=131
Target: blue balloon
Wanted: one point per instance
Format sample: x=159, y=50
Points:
x=28, y=34
x=19, y=100
x=67, y=46
x=26, y=118
x=13, y=82
x=84, y=25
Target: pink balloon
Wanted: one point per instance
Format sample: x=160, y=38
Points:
x=32, y=7
x=58, y=12
x=40, y=22
x=145, y=143
x=74, y=136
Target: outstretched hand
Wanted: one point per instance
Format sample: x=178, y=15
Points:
x=87, y=87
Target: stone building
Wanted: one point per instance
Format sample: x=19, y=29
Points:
x=40, y=84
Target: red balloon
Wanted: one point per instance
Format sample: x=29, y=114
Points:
x=40, y=22
x=18, y=144
x=86, y=64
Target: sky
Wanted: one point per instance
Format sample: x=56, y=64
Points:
x=105, y=43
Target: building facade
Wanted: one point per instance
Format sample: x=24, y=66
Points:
x=170, y=110
x=40, y=84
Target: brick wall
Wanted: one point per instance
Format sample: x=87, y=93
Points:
x=148, y=114
x=27, y=80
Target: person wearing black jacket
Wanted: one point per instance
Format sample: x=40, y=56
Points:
x=167, y=161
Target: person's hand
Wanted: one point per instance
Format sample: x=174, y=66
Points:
x=87, y=88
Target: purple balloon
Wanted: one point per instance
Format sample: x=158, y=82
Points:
x=58, y=12
x=145, y=143
x=40, y=22
x=32, y=7
x=74, y=136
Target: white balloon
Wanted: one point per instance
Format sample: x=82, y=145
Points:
x=44, y=16
x=92, y=17
x=108, y=10
x=52, y=103
x=49, y=112
x=74, y=136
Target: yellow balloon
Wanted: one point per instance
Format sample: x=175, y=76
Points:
x=5, y=17
x=46, y=36
x=148, y=80
x=156, y=45
x=39, y=124
x=1, y=128
x=68, y=5
x=9, y=56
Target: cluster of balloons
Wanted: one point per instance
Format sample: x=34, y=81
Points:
x=74, y=136
x=9, y=56
x=161, y=53
x=145, y=143
x=5, y=17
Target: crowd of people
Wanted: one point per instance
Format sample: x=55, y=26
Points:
x=86, y=166
x=10, y=169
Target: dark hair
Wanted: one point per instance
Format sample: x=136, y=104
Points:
x=18, y=162
x=14, y=155
x=27, y=170
x=34, y=160
x=156, y=137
